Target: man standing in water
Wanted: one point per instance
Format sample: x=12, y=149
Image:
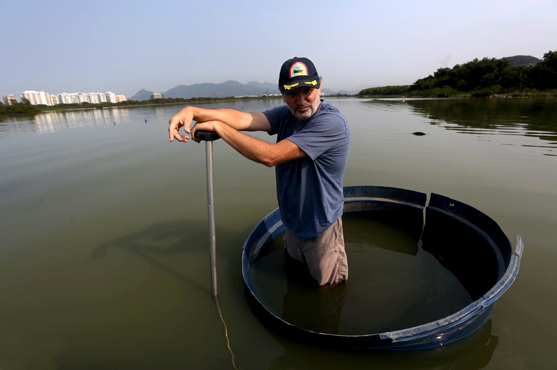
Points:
x=309, y=157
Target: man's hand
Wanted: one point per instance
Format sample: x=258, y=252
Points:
x=240, y=121
x=203, y=126
x=228, y=123
x=182, y=119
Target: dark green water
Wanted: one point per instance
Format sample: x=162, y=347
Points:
x=104, y=260
x=393, y=285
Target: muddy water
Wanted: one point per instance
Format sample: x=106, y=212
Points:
x=394, y=284
x=104, y=259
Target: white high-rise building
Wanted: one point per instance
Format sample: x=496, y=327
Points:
x=45, y=97
x=93, y=98
x=36, y=97
x=111, y=97
x=65, y=98
x=31, y=96
x=10, y=99
x=81, y=98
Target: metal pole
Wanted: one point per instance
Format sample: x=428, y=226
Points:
x=209, y=137
x=211, y=213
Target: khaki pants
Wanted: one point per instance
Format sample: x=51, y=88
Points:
x=325, y=256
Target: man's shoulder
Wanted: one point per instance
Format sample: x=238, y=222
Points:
x=278, y=117
x=277, y=114
x=327, y=106
x=328, y=109
x=329, y=114
x=278, y=109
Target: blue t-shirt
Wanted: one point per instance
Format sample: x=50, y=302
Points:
x=310, y=190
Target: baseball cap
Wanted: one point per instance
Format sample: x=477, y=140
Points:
x=296, y=73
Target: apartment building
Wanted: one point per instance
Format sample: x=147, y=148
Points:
x=36, y=97
x=42, y=98
x=10, y=99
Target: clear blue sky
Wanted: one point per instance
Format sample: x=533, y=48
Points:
x=124, y=46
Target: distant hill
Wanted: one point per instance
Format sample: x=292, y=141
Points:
x=523, y=60
x=221, y=90
x=340, y=92
x=141, y=95
x=264, y=85
x=211, y=90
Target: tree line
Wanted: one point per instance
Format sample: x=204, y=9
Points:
x=484, y=77
x=18, y=109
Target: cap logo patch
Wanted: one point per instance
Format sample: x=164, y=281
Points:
x=298, y=69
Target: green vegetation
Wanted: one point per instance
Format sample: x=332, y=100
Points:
x=482, y=78
x=18, y=109
x=386, y=90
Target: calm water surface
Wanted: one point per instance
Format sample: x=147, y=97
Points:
x=394, y=284
x=104, y=258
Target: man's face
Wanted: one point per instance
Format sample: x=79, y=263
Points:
x=303, y=102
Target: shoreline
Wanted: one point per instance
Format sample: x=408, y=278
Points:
x=147, y=103
x=552, y=95
x=195, y=101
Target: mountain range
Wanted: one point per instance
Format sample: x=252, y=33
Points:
x=221, y=90
x=235, y=88
x=523, y=60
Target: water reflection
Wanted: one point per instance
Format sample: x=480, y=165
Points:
x=160, y=239
x=524, y=117
x=55, y=121
x=532, y=118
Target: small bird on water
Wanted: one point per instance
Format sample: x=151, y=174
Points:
x=145, y=121
x=418, y=133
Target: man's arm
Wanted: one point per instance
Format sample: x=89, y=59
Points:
x=240, y=121
x=257, y=150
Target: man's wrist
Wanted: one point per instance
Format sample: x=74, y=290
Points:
x=217, y=127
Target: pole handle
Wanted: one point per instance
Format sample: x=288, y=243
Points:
x=206, y=135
